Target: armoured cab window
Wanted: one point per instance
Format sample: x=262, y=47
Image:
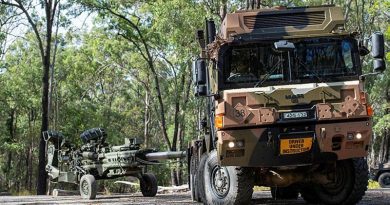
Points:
x=241, y=66
x=324, y=58
x=248, y=65
x=312, y=60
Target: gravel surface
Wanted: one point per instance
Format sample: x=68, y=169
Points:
x=372, y=197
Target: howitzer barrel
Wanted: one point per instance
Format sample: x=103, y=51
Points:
x=165, y=155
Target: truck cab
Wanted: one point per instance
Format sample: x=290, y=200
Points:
x=286, y=107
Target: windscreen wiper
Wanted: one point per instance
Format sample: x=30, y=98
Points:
x=261, y=81
x=315, y=74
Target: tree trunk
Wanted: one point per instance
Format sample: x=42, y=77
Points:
x=223, y=10
x=42, y=175
x=386, y=148
x=30, y=167
x=174, y=180
x=50, y=8
x=179, y=170
x=147, y=118
x=45, y=51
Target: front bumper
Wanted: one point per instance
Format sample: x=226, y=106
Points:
x=261, y=145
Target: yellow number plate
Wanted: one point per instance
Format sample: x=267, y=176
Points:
x=295, y=146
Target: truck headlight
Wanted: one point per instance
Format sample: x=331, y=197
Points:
x=236, y=144
x=358, y=136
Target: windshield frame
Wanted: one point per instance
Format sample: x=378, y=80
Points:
x=226, y=47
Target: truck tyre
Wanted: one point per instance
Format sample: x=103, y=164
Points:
x=227, y=185
x=308, y=194
x=384, y=180
x=88, y=187
x=148, y=185
x=350, y=183
x=200, y=176
x=290, y=192
x=194, y=178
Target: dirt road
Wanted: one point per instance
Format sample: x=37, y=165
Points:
x=372, y=197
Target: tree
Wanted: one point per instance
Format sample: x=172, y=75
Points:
x=45, y=45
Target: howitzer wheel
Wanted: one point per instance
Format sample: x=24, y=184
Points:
x=88, y=187
x=148, y=184
x=384, y=180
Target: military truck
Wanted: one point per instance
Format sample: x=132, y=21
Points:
x=286, y=107
x=381, y=174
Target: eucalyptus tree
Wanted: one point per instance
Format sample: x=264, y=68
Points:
x=44, y=41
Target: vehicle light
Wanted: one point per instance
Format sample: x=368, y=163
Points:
x=358, y=136
x=350, y=136
x=219, y=121
x=370, y=111
x=240, y=143
x=231, y=144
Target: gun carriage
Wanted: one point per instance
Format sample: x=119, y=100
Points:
x=97, y=160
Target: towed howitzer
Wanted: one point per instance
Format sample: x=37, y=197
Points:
x=97, y=160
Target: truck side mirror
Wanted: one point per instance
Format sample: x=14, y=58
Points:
x=200, y=77
x=379, y=65
x=378, y=45
x=200, y=90
x=200, y=70
x=378, y=52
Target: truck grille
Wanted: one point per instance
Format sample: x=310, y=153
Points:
x=281, y=20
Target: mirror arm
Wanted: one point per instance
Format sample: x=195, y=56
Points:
x=215, y=95
x=363, y=77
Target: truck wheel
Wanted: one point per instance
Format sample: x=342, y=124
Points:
x=88, y=187
x=148, y=185
x=200, y=176
x=227, y=185
x=349, y=185
x=384, y=180
x=308, y=194
x=290, y=192
x=194, y=178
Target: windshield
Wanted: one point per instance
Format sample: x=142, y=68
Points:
x=312, y=60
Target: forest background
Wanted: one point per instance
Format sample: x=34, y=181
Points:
x=126, y=66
